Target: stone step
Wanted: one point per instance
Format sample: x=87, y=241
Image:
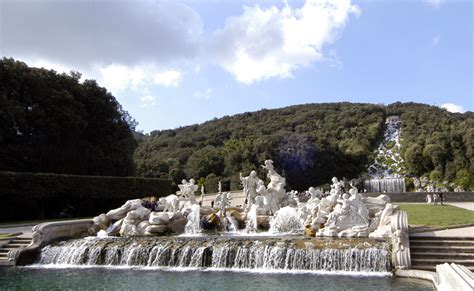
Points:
x=443, y=249
x=431, y=261
x=4, y=251
x=441, y=238
x=442, y=242
x=15, y=245
x=21, y=241
x=442, y=255
x=7, y=249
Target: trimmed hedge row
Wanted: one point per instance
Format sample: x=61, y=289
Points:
x=43, y=196
x=45, y=185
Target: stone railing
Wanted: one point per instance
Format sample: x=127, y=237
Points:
x=48, y=232
x=400, y=241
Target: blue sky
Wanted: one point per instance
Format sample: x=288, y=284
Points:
x=173, y=64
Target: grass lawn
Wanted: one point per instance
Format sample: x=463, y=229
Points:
x=436, y=216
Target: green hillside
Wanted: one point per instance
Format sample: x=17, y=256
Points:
x=310, y=144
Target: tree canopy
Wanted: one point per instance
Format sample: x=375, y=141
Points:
x=310, y=144
x=52, y=122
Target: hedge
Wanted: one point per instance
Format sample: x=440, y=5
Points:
x=45, y=185
x=25, y=192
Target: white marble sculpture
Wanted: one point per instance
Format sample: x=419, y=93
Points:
x=170, y=203
x=250, y=188
x=269, y=202
x=337, y=215
x=187, y=190
x=277, y=184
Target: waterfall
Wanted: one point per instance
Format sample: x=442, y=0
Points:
x=385, y=185
x=264, y=253
x=251, y=220
x=231, y=223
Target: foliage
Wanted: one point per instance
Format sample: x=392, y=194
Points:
x=27, y=196
x=465, y=179
x=51, y=122
x=435, y=140
x=309, y=144
x=41, y=186
x=437, y=215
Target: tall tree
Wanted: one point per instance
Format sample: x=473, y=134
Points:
x=51, y=122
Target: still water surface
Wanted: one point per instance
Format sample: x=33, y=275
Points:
x=159, y=279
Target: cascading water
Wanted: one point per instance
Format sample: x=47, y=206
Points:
x=387, y=171
x=285, y=220
x=232, y=225
x=387, y=185
x=264, y=253
x=251, y=221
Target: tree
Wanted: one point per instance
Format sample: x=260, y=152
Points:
x=204, y=162
x=50, y=122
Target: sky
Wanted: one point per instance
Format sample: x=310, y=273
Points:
x=176, y=63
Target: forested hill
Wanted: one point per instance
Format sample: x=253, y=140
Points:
x=309, y=144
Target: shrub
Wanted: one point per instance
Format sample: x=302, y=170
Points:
x=40, y=195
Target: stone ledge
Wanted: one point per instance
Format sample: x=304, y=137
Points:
x=448, y=277
x=418, y=274
x=48, y=232
x=454, y=277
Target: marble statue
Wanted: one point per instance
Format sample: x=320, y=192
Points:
x=225, y=199
x=170, y=203
x=277, y=184
x=250, y=188
x=338, y=214
x=269, y=202
x=187, y=190
x=336, y=187
x=219, y=187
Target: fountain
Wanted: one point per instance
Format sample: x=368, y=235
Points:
x=274, y=230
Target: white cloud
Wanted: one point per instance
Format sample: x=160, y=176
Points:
x=265, y=43
x=111, y=41
x=205, y=94
x=453, y=107
x=117, y=78
x=170, y=78
x=435, y=40
x=100, y=32
x=147, y=101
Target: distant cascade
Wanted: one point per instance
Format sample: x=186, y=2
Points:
x=387, y=185
x=273, y=254
x=387, y=171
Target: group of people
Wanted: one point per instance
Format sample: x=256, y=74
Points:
x=434, y=198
